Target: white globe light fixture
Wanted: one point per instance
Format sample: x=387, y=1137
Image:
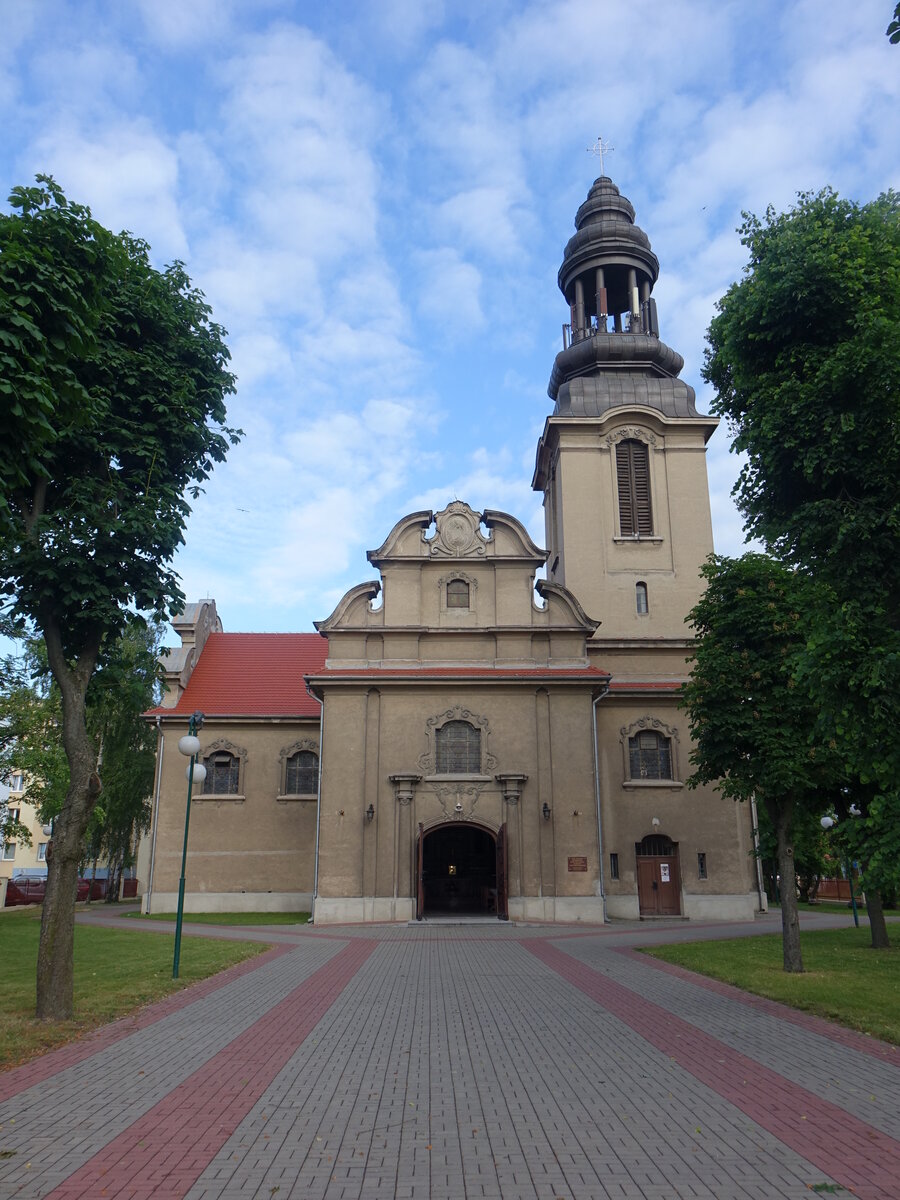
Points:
x=189, y=745
x=195, y=774
x=827, y=822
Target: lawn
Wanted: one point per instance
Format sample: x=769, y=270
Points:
x=845, y=979
x=233, y=918
x=116, y=971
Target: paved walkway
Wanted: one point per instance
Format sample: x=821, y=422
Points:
x=455, y=1062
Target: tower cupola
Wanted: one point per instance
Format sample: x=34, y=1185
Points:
x=612, y=354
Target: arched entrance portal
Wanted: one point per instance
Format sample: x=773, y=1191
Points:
x=461, y=871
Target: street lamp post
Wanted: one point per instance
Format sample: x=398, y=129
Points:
x=828, y=823
x=196, y=773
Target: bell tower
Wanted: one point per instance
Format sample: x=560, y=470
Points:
x=621, y=460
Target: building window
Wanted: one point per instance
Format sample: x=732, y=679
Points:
x=649, y=756
x=17, y=782
x=614, y=866
x=641, y=602
x=701, y=866
x=223, y=771
x=457, y=594
x=301, y=774
x=42, y=852
x=458, y=749
x=12, y=814
x=633, y=481
x=9, y=851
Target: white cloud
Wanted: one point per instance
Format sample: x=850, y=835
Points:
x=449, y=290
x=127, y=173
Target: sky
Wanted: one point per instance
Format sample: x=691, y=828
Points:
x=375, y=197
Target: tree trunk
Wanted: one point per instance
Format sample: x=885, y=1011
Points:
x=877, y=923
x=55, y=974
x=780, y=814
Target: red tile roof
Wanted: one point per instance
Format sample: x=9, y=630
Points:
x=253, y=675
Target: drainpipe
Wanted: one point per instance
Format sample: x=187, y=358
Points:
x=594, y=704
x=321, y=704
x=760, y=891
x=160, y=749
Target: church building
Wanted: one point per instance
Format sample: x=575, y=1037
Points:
x=463, y=737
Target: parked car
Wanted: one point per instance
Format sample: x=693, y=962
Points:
x=25, y=889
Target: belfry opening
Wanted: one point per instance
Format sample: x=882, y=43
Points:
x=459, y=871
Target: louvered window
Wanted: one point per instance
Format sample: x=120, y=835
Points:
x=222, y=774
x=633, y=479
x=458, y=746
x=301, y=777
x=650, y=756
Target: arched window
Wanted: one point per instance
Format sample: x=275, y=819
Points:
x=633, y=482
x=457, y=594
x=641, y=600
x=650, y=756
x=301, y=774
x=458, y=749
x=223, y=772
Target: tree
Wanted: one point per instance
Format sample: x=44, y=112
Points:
x=30, y=715
x=113, y=381
x=893, y=30
x=805, y=361
x=752, y=725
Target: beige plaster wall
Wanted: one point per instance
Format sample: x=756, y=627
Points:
x=542, y=733
x=697, y=820
x=581, y=511
x=252, y=843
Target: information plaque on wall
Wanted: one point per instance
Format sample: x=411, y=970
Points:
x=578, y=863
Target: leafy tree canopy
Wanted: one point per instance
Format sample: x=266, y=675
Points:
x=113, y=381
x=805, y=360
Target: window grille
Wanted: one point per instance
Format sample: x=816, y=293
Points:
x=701, y=866
x=222, y=774
x=301, y=776
x=458, y=749
x=650, y=756
x=633, y=479
x=457, y=594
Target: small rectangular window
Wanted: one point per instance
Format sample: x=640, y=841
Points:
x=9, y=851
x=16, y=783
x=701, y=866
x=614, y=866
x=42, y=852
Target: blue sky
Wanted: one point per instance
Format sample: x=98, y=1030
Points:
x=375, y=198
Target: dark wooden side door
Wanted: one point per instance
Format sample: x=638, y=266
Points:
x=420, y=881
x=659, y=892
x=502, y=875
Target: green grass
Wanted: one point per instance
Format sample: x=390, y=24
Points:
x=845, y=979
x=116, y=971
x=235, y=918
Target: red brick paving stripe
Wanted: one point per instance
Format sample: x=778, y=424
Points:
x=17, y=1079
x=853, y=1153
x=860, y=1042
x=166, y=1150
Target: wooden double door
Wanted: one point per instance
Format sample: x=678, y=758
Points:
x=461, y=869
x=658, y=877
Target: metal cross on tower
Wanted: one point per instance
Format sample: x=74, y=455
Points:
x=600, y=148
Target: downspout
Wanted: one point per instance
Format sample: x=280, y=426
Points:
x=321, y=704
x=763, y=903
x=594, y=704
x=160, y=749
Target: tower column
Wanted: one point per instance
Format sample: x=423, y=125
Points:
x=579, y=304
